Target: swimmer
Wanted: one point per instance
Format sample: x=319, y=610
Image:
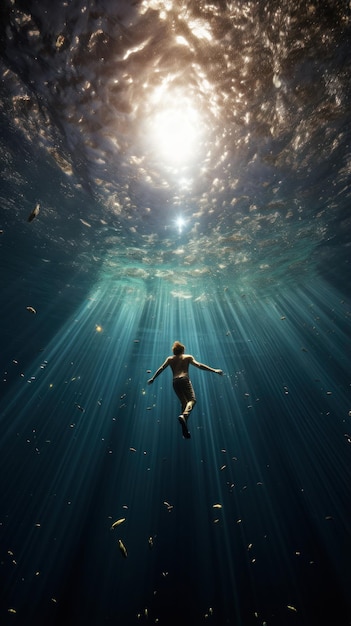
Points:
x=182, y=386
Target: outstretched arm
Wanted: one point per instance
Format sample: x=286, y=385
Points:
x=207, y=368
x=158, y=372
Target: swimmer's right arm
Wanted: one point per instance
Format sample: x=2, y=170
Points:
x=158, y=372
x=207, y=368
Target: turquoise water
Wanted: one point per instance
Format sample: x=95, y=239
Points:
x=232, y=237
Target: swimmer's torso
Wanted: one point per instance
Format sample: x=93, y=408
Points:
x=180, y=364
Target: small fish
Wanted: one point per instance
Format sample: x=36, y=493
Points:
x=31, y=309
x=118, y=522
x=34, y=213
x=122, y=548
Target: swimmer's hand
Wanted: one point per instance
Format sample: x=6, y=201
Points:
x=150, y=381
x=220, y=372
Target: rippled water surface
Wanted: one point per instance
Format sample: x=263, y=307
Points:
x=191, y=164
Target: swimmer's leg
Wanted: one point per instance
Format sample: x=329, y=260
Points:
x=182, y=422
x=189, y=407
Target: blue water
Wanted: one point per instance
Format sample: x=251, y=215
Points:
x=233, y=238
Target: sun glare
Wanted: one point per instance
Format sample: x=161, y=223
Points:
x=174, y=131
x=180, y=223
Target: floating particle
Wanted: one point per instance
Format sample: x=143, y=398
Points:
x=217, y=506
x=283, y=317
x=60, y=41
x=80, y=408
x=168, y=506
x=216, y=521
x=118, y=522
x=291, y=608
x=328, y=517
x=85, y=223
x=122, y=548
x=223, y=450
x=98, y=328
x=239, y=521
x=34, y=213
x=132, y=449
x=304, y=349
x=150, y=542
x=31, y=309
x=11, y=611
x=249, y=546
x=148, y=371
x=222, y=468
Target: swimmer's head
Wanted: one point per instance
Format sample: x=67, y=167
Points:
x=178, y=348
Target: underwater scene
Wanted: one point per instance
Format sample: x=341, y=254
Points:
x=175, y=171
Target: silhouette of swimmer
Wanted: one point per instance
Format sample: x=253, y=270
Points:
x=182, y=386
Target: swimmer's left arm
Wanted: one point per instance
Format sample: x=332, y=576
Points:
x=158, y=372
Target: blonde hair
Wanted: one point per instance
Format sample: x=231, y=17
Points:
x=178, y=348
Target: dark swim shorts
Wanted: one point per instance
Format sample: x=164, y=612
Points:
x=184, y=389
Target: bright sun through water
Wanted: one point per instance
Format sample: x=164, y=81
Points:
x=174, y=130
x=175, y=134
